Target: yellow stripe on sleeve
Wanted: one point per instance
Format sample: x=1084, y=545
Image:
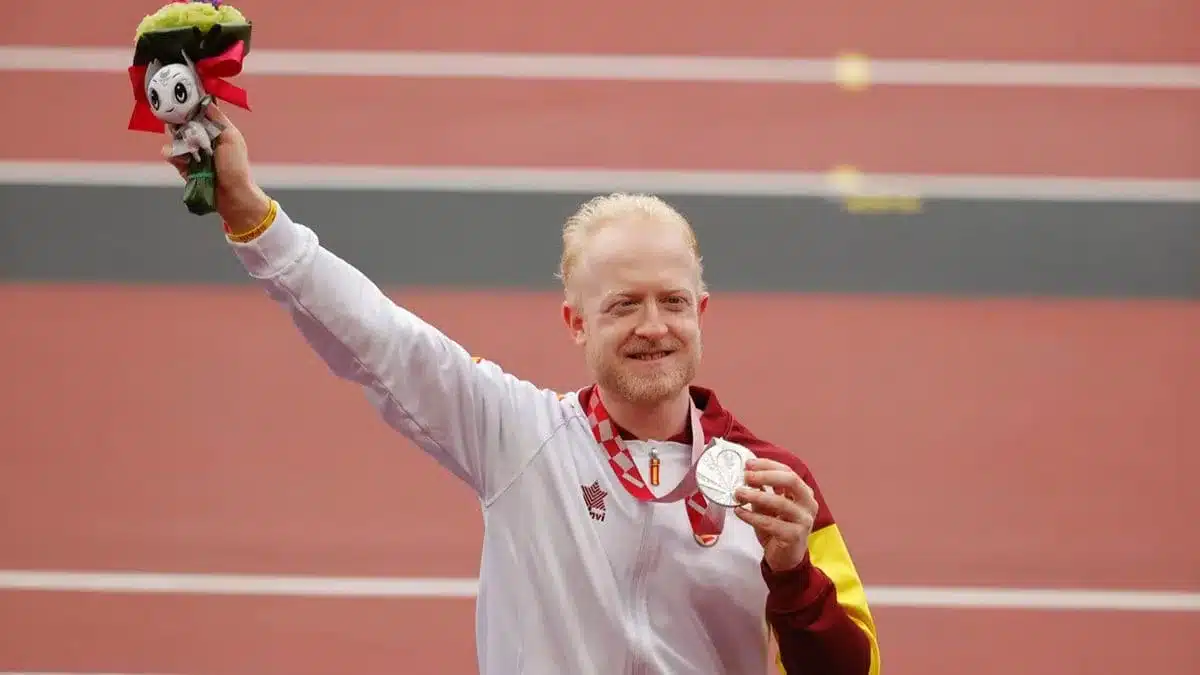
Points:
x=827, y=550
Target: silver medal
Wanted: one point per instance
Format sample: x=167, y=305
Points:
x=721, y=471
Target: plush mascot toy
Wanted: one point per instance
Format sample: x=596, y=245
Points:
x=182, y=53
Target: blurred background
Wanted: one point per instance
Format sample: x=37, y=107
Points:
x=955, y=255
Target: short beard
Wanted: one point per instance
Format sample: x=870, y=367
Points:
x=643, y=390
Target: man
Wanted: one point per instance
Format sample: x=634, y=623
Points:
x=582, y=570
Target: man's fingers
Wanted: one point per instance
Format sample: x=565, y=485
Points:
x=217, y=115
x=762, y=463
x=177, y=161
x=776, y=505
x=768, y=473
x=762, y=472
x=785, y=481
x=771, y=526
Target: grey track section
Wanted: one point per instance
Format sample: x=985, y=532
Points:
x=511, y=240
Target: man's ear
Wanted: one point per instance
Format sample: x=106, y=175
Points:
x=703, y=304
x=574, y=321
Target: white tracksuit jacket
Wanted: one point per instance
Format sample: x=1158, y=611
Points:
x=562, y=591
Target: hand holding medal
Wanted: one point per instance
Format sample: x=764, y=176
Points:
x=767, y=495
x=724, y=475
x=781, y=511
x=182, y=54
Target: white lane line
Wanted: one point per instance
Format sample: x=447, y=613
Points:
x=432, y=587
x=238, y=584
x=849, y=70
x=833, y=184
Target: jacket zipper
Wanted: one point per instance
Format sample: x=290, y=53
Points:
x=639, y=603
x=641, y=570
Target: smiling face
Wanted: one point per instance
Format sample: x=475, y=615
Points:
x=173, y=93
x=635, y=297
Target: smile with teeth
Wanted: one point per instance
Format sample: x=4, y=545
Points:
x=650, y=356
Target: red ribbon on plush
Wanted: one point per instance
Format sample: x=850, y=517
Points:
x=209, y=70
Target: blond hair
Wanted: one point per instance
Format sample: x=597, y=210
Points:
x=605, y=209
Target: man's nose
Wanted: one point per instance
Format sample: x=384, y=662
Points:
x=652, y=324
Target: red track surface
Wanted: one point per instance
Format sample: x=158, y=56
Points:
x=648, y=126
x=1064, y=30
x=1063, y=425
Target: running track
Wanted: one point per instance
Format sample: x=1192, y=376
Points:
x=1061, y=424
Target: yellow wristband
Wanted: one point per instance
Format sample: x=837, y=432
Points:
x=258, y=229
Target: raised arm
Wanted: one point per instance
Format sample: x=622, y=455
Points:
x=474, y=419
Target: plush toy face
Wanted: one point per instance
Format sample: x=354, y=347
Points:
x=173, y=93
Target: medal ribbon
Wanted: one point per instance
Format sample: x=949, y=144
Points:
x=705, y=520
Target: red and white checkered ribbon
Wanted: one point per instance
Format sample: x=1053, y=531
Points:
x=706, y=521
